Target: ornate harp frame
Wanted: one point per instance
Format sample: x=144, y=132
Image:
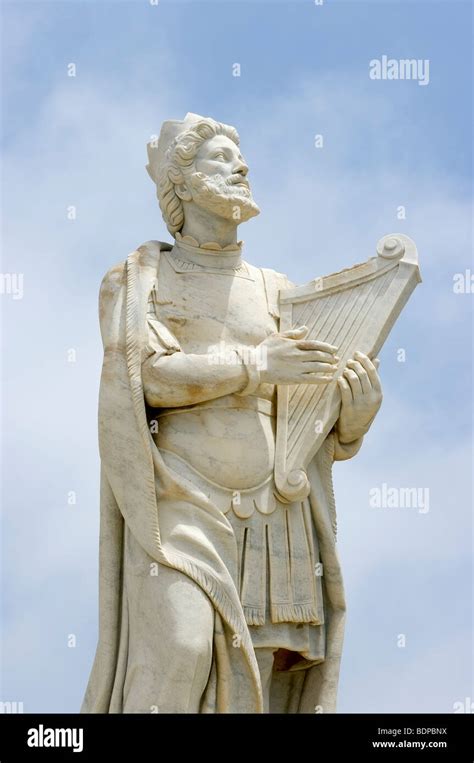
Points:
x=353, y=309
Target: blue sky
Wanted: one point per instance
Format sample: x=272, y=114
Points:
x=81, y=141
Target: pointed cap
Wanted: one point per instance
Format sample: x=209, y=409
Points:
x=169, y=131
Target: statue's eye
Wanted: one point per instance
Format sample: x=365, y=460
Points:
x=219, y=155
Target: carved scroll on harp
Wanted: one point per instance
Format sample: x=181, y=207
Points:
x=354, y=309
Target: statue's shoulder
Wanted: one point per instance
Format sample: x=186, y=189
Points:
x=274, y=282
x=271, y=276
x=113, y=286
x=113, y=280
x=281, y=278
x=146, y=255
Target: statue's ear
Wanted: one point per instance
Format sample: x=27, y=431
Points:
x=183, y=192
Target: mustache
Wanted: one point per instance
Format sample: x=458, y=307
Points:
x=237, y=180
x=214, y=183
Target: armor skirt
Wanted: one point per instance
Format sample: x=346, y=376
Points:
x=280, y=576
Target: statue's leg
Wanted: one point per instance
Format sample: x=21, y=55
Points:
x=171, y=626
x=265, y=658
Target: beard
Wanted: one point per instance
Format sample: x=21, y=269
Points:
x=223, y=196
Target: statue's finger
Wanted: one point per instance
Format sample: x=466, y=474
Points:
x=345, y=390
x=315, y=344
x=324, y=357
x=296, y=333
x=354, y=382
x=364, y=379
x=370, y=368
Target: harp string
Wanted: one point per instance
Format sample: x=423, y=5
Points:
x=303, y=392
x=356, y=297
x=350, y=335
x=338, y=305
x=311, y=320
x=347, y=301
x=349, y=338
x=309, y=315
x=307, y=308
x=339, y=310
x=308, y=403
x=313, y=308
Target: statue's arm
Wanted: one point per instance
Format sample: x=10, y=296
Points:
x=172, y=378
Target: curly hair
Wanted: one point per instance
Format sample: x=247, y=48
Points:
x=179, y=159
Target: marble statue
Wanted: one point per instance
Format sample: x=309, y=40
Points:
x=227, y=393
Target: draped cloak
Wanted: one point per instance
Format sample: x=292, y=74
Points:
x=134, y=482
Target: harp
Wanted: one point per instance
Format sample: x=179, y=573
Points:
x=354, y=309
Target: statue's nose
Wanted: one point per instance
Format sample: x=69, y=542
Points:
x=241, y=169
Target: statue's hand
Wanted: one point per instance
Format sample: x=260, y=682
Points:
x=288, y=358
x=361, y=395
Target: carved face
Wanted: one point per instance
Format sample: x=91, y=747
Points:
x=219, y=182
x=220, y=155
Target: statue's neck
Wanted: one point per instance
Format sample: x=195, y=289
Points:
x=212, y=255
x=205, y=227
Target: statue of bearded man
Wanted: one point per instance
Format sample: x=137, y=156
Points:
x=217, y=595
